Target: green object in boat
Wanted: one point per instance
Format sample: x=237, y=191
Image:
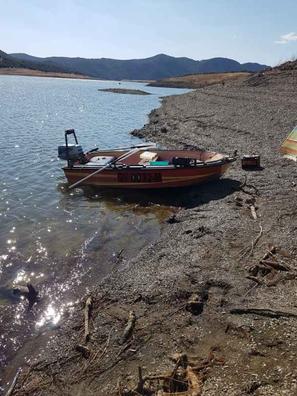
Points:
x=159, y=163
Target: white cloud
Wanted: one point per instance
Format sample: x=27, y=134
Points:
x=286, y=38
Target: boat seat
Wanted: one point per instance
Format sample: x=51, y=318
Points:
x=101, y=160
x=216, y=157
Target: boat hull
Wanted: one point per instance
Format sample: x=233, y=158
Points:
x=146, y=178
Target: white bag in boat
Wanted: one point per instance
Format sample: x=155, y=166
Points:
x=148, y=156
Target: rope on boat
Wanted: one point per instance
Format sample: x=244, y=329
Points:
x=122, y=157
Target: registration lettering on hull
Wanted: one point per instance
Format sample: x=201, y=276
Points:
x=127, y=177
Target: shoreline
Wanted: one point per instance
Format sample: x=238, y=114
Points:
x=199, y=80
x=207, y=249
x=7, y=71
x=39, y=73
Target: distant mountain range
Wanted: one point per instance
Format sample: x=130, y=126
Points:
x=153, y=68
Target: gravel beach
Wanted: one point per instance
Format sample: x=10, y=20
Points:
x=214, y=251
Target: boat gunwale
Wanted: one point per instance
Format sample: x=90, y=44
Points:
x=118, y=168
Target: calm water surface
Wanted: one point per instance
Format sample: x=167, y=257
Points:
x=62, y=242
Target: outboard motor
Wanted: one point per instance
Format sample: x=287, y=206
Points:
x=71, y=152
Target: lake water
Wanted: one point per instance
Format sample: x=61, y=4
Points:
x=64, y=243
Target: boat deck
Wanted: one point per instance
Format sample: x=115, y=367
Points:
x=162, y=158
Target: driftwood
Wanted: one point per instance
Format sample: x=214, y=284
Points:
x=182, y=361
x=255, y=279
x=259, y=269
x=139, y=388
x=270, y=252
x=129, y=327
x=270, y=313
x=87, y=313
x=185, y=379
x=13, y=384
x=253, y=212
x=275, y=265
x=195, y=382
x=175, y=380
x=269, y=264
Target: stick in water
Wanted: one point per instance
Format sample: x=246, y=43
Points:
x=88, y=307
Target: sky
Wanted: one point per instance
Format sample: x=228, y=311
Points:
x=263, y=31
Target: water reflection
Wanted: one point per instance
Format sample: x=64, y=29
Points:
x=63, y=243
x=50, y=316
x=63, y=262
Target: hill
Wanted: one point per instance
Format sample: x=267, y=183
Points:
x=289, y=65
x=9, y=61
x=153, y=68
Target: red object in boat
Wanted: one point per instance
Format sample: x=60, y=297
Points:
x=133, y=172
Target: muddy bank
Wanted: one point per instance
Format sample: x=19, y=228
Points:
x=242, y=330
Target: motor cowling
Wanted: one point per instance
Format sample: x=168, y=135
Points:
x=72, y=152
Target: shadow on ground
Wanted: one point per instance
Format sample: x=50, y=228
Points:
x=189, y=197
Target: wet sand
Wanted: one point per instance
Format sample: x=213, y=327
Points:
x=213, y=248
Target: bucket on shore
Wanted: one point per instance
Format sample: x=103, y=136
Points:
x=250, y=162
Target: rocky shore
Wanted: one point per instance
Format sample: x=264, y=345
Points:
x=219, y=285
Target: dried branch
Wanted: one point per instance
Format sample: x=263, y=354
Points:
x=255, y=279
x=129, y=327
x=13, y=384
x=253, y=212
x=249, y=251
x=87, y=313
x=270, y=313
x=275, y=265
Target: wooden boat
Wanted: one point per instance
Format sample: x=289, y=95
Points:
x=140, y=167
